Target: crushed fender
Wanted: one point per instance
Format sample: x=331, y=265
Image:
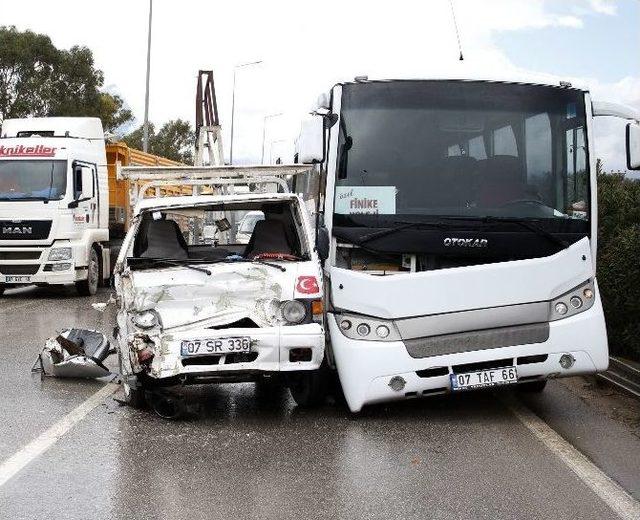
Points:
x=75, y=353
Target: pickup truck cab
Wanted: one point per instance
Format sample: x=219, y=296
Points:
x=193, y=311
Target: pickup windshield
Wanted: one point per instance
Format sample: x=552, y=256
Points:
x=422, y=149
x=32, y=180
x=209, y=234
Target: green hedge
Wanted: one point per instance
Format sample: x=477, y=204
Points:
x=619, y=261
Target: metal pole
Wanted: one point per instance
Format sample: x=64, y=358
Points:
x=233, y=103
x=145, y=136
x=264, y=132
x=233, y=111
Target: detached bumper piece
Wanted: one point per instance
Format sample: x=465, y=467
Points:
x=77, y=353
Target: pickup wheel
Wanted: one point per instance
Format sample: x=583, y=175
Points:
x=134, y=397
x=308, y=388
x=89, y=286
x=534, y=387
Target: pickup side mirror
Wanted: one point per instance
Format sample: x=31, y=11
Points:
x=322, y=242
x=633, y=146
x=310, y=143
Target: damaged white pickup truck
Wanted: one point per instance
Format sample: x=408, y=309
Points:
x=198, y=307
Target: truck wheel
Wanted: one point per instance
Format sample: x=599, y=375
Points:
x=308, y=388
x=89, y=286
x=134, y=397
x=534, y=387
x=2, y=288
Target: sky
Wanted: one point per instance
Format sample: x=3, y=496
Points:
x=305, y=47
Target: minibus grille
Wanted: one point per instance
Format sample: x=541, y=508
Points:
x=477, y=340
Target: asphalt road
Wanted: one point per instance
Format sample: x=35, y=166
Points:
x=248, y=452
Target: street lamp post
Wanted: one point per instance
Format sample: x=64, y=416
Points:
x=264, y=131
x=145, y=131
x=233, y=102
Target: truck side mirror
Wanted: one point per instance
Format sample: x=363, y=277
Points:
x=310, y=143
x=322, y=242
x=77, y=182
x=83, y=187
x=633, y=146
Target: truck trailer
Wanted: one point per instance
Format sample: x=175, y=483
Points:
x=60, y=199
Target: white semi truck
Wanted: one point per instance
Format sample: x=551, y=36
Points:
x=459, y=222
x=54, y=203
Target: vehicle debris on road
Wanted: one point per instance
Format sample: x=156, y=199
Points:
x=78, y=353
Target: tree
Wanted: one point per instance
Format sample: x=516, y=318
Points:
x=175, y=140
x=38, y=80
x=618, y=252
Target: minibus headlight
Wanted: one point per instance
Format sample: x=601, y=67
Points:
x=363, y=329
x=358, y=327
x=577, y=300
x=561, y=308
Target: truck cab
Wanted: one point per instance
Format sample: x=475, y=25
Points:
x=53, y=203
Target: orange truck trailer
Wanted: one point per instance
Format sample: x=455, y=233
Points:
x=119, y=208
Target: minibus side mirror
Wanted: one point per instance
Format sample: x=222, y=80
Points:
x=322, y=242
x=633, y=146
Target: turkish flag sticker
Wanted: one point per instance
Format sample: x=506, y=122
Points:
x=307, y=285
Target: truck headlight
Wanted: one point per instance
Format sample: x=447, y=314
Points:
x=60, y=253
x=354, y=326
x=577, y=300
x=145, y=319
x=293, y=311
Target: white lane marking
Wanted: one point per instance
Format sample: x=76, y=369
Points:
x=10, y=467
x=625, y=506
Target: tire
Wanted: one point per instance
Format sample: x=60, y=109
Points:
x=133, y=397
x=534, y=387
x=309, y=388
x=2, y=288
x=89, y=286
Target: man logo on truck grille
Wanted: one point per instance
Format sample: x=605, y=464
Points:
x=17, y=230
x=466, y=242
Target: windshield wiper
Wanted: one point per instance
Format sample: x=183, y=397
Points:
x=403, y=226
x=172, y=261
x=263, y=262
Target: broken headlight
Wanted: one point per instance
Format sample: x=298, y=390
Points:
x=145, y=319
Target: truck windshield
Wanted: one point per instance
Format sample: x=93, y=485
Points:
x=32, y=180
x=424, y=149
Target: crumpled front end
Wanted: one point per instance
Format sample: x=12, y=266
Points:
x=183, y=326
